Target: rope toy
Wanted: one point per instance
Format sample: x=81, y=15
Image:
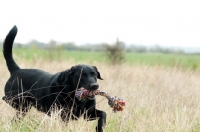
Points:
x=83, y=94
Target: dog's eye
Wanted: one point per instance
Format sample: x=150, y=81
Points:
x=94, y=75
x=83, y=76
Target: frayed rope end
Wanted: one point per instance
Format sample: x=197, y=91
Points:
x=116, y=103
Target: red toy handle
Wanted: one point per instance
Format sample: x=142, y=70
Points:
x=116, y=103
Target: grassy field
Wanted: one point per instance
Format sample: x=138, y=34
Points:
x=159, y=98
x=152, y=59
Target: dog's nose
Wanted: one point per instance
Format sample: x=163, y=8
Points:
x=94, y=86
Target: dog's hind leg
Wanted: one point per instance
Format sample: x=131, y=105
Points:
x=21, y=112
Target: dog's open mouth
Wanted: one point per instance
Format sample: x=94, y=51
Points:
x=84, y=94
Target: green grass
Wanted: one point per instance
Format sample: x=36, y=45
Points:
x=77, y=56
x=152, y=59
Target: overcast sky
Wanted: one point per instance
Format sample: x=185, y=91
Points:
x=147, y=22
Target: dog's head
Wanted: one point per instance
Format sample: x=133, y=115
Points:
x=83, y=76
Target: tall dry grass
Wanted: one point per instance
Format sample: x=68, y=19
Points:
x=158, y=99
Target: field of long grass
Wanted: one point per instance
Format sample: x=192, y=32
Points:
x=158, y=99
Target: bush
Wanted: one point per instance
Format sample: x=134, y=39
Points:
x=115, y=52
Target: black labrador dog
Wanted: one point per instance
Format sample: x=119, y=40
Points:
x=44, y=91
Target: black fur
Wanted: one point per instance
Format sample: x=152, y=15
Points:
x=28, y=88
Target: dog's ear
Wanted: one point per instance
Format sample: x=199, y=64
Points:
x=98, y=74
x=68, y=74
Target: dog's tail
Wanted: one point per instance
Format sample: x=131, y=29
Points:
x=7, y=50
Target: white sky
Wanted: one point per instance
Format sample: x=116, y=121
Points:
x=147, y=22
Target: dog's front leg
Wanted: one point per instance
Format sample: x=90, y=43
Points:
x=101, y=115
x=102, y=120
x=65, y=116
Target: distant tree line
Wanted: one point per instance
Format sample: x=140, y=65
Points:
x=97, y=47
